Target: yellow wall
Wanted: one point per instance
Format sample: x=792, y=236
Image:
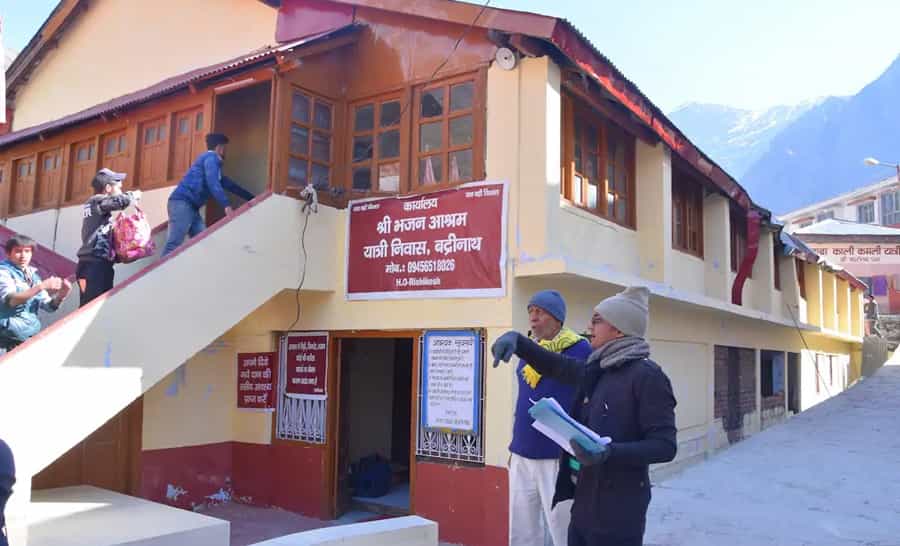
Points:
x=717, y=247
x=118, y=46
x=688, y=272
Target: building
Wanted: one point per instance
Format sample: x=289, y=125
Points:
x=589, y=188
x=869, y=252
x=874, y=204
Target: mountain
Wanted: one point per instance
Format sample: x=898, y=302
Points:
x=820, y=154
x=735, y=138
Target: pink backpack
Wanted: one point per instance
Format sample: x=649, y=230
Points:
x=132, y=236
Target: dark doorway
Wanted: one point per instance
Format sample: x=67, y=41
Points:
x=373, y=461
x=793, y=383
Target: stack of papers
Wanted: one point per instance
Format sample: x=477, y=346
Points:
x=553, y=422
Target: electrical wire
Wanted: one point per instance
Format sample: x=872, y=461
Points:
x=306, y=211
x=803, y=339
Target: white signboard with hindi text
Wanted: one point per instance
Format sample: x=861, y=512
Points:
x=451, y=381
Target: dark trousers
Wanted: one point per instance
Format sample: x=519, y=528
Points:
x=587, y=537
x=94, y=279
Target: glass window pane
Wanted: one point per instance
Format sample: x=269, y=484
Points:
x=461, y=96
x=320, y=176
x=576, y=189
x=590, y=167
x=162, y=132
x=461, y=131
x=389, y=177
x=461, y=166
x=592, y=196
x=432, y=103
x=362, y=148
x=91, y=151
x=321, y=147
x=621, y=210
x=323, y=116
x=110, y=146
x=610, y=203
x=123, y=144
x=149, y=135
x=389, y=144
x=299, y=140
x=198, y=125
x=611, y=176
x=431, y=170
x=300, y=108
x=297, y=174
x=390, y=113
x=184, y=125
x=364, y=120
x=48, y=163
x=430, y=137
x=590, y=135
x=362, y=178
x=82, y=154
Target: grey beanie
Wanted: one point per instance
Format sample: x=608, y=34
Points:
x=627, y=311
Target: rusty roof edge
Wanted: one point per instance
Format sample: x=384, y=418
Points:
x=168, y=85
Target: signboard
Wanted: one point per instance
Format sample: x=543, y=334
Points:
x=256, y=381
x=451, y=381
x=848, y=254
x=306, y=364
x=445, y=244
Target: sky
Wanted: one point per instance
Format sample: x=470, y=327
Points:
x=753, y=55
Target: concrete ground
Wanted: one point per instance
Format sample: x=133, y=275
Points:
x=829, y=476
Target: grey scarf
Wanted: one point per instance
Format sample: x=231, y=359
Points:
x=619, y=351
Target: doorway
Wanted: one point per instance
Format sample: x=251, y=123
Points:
x=244, y=116
x=373, y=467
x=793, y=383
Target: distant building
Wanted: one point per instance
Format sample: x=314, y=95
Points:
x=869, y=252
x=874, y=204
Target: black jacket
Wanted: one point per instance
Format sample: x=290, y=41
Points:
x=634, y=405
x=96, y=244
x=7, y=479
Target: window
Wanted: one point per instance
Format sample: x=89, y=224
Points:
x=771, y=373
x=825, y=215
x=865, y=213
x=890, y=208
x=801, y=277
x=687, y=214
x=310, y=159
x=188, y=140
x=446, y=134
x=114, y=150
x=776, y=263
x=84, y=166
x=598, y=164
x=22, y=198
x=375, y=145
x=804, y=224
x=738, y=238
x=50, y=178
x=153, y=158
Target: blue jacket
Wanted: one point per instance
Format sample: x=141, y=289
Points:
x=527, y=441
x=21, y=322
x=205, y=178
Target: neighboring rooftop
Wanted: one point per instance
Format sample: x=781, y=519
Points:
x=834, y=226
x=842, y=198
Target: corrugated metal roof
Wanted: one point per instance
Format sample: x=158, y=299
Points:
x=167, y=86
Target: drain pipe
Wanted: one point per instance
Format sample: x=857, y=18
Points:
x=754, y=221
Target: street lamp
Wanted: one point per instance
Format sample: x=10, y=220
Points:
x=872, y=162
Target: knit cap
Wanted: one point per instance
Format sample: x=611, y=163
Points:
x=627, y=311
x=550, y=301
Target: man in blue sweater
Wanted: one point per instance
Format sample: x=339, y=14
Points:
x=203, y=179
x=534, y=458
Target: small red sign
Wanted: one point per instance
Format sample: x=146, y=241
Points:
x=306, y=364
x=445, y=244
x=256, y=380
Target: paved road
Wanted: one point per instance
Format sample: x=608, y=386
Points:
x=829, y=476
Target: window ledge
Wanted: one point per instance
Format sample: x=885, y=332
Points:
x=571, y=208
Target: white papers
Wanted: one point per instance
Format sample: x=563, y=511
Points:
x=552, y=421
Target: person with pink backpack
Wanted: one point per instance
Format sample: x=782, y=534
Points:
x=97, y=254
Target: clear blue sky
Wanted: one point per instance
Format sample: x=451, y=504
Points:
x=751, y=54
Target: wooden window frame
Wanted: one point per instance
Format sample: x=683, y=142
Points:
x=16, y=179
x=71, y=195
x=687, y=201
x=477, y=146
x=776, y=268
x=41, y=182
x=142, y=148
x=801, y=276
x=375, y=162
x=575, y=108
x=196, y=137
x=311, y=129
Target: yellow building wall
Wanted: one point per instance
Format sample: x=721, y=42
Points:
x=688, y=273
x=116, y=47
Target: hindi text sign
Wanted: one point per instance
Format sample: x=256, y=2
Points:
x=256, y=380
x=306, y=364
x=452, y=381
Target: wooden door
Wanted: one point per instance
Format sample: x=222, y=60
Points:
x=154, y=148
x=23, y=185
x=109, y=458
x=49, y=178
x=188, y=140
x=344, y=492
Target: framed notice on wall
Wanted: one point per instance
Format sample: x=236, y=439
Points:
x=256, y=381
x=444, y=244
x=451, y=381
x=306, y=364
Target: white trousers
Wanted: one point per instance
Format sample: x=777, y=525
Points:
x=532, y=522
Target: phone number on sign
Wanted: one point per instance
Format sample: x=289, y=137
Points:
x=431, y=266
